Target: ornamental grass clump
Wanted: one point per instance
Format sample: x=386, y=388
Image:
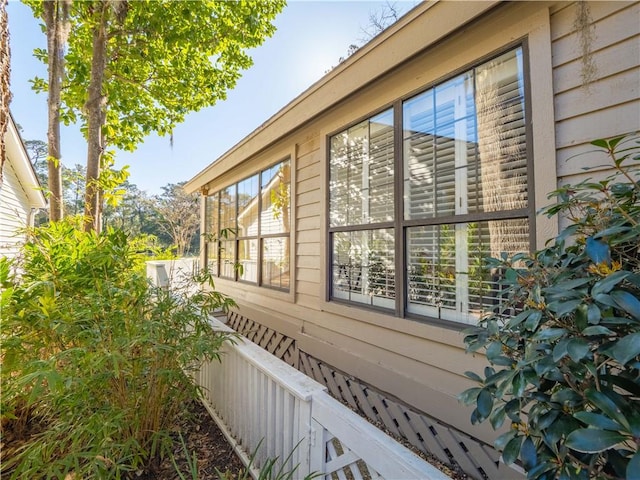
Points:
x=564, y=344
x=96, y=362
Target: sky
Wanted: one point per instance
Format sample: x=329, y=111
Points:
x=311, y=37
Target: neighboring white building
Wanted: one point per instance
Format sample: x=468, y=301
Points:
x=20, y=194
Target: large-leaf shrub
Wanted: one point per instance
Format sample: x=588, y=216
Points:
x=95, y=361
x=564, y=344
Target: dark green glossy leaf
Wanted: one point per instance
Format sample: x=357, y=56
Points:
x=626, y=349
x=473, y=376
x=596, y=330
x=485, y=403
x=547, y=419
x=607, y=405
x=633, y=468
x=605, y=299
x=528, y=453
x=512, y=450
x=627, y=302
x=505, y=438
x=593, y=314
x=549, y=334
x=592, y=440
x=566, y=396
x=469, y=396
x=560, y=350
x=498, y=417
x=562, y=308
x=577, y=348
x=597, y=420
x=532, y=322
x=606, y=284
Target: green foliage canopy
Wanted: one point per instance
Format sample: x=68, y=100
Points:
x=164, y=60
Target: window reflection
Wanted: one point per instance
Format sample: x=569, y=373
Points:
x=243, y=216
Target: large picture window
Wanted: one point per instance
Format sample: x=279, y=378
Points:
x=247, y=229
x=461, y=148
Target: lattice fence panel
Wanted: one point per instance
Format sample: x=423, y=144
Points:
x=279, y=345
x=428, y=435
x=343, y=464
x=425, y=433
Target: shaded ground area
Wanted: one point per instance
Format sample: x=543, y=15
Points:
x=212, y=451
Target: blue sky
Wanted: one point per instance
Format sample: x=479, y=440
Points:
x=311, y=37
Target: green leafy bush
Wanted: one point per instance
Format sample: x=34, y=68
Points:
x=564, y=343
x=95, y=362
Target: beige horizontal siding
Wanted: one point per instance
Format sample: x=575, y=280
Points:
x=609, y=105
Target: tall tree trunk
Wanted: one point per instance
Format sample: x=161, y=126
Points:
x=96, y=116
x=56, y=19
x=5, y=91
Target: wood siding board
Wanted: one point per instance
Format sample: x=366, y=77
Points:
x=307, y=185
x=602, y=124
x=309, y=223
x=310, y=172
x=309, y=275
x=310, y=197
x=603, y=94
x=562, y=20
x=609, y=62
x=609, y=31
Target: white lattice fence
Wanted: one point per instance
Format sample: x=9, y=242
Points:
x=263, y=402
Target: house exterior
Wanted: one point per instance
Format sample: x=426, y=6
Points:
x=360, y=211
x=20, y=194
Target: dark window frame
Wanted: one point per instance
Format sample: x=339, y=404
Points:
x=217, y=240
x=399, y=223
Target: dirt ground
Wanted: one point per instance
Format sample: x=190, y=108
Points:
x=212, y=451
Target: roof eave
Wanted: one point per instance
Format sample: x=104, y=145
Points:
x=368, y=63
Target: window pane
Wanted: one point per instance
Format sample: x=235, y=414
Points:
x=248, y=207
x=228, y=211
x=465, y=148
x=276, y=201
x=227, y=258
x=212, y=257
x=379, y=188
x=248, y=260
x=275, y=262
x=444, y=266
x=211, y=215
x=361, y=173
x=363, y=267
x=211, y=226
x=502, y=166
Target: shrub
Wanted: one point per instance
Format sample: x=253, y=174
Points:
x=564, y=345
x=96, y=363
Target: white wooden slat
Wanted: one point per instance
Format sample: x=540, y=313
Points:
x=335, y=462
x=386, y=456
